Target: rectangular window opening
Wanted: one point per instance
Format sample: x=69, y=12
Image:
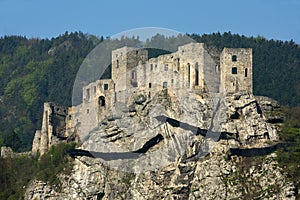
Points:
x=105, y=86
x=133, y=75
x=189, y=73
x=88, y=93
x=196, y=74
x=234, y=70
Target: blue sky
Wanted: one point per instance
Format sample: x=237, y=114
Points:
x=272, y=19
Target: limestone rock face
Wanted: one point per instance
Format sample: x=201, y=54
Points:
x=184, y=165
x=211, y=177
x=248, y=122
x=270, y=109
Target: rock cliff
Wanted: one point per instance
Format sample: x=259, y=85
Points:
x=190, y=160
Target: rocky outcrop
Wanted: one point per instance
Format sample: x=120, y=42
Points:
x=181, y=164
x=211, y=177
x=248, y=122
x=271, y=109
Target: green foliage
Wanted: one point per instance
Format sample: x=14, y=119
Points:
x=55, y=161
x=31, y=74
x=1, y=140
x=289, y=158
x=127, y=179
x=16, y=173
x=290, y=130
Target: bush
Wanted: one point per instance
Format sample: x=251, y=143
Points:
x=289, y=158
x=55, y=161
x=16, y=173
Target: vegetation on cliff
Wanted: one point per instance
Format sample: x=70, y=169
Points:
x=289, y=158
x=17, y=172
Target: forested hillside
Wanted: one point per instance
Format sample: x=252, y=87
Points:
x=33, y=71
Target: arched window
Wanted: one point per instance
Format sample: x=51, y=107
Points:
x=101, y=101
x=234, y=58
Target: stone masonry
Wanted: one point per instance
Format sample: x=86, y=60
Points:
x=195, y=67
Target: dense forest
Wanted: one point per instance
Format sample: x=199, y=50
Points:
x=34, y=70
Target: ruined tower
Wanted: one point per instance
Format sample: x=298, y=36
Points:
x=236, y=70
x=124, y=63
x=53, y=128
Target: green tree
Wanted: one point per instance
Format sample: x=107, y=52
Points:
x=1, y=139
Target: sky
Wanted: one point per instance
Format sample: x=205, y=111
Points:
x=272, y=19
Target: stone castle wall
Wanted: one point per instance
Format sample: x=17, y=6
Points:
x=53, y=128
x=236, y=70
x=194, y=67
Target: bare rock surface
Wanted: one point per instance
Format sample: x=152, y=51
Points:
x=184, y=165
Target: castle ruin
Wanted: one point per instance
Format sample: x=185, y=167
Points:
x=194, y=67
